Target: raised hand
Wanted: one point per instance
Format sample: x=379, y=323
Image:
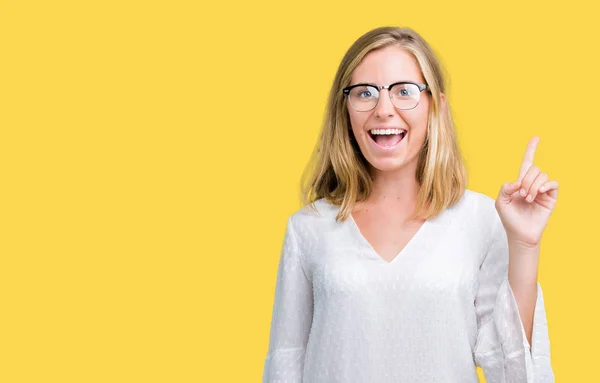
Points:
x=525, y=206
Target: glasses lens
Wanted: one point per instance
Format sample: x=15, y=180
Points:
x=405, y=96
x=363, y=98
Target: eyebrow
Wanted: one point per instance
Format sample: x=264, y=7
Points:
x=395, y=82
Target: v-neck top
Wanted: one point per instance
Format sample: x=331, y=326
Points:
x=414, y=238
x=439, y=309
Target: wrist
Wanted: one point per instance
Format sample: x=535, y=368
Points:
x=523, y=246
x=523, y=264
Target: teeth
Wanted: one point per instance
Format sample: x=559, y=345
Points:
x=386, y=131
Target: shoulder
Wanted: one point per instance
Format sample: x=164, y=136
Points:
x=480, y=203
x=478, y=209
x=315, y=219
x=476, y=203
x=487, y=222
x=319, y=210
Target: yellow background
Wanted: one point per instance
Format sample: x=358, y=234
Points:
x=150, y=153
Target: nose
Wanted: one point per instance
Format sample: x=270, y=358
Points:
x=384, y=105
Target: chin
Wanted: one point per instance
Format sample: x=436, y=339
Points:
x=390, y=164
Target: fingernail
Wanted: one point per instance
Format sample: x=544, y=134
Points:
x=542, y=189
x=529, y=198
x=523, y=192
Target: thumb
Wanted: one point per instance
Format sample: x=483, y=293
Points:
x=507, y=190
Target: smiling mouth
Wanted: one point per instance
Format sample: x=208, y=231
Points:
x=387, y=138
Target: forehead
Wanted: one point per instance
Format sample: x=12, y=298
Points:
x=387, y=65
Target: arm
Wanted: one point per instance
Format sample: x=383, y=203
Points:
x=292, y=315
x=522, y=276
x=503, y=350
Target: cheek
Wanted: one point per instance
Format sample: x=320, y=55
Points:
x=419, y=121
x=357, y=121
x=422, y=122
x=424, y=113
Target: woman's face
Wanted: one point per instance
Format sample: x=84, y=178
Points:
x=384, y=67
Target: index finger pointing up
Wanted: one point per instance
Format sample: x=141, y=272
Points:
x=528, y=158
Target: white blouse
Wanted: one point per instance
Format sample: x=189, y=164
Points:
x=440, y=308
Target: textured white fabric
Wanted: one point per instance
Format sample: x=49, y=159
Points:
x=440, y=308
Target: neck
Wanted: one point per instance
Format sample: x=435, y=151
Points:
x=395, y=190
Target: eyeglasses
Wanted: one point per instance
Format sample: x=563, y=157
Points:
x=404, y=95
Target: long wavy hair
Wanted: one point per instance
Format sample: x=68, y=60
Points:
x=337, y=170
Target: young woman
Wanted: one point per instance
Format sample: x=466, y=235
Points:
x=393, y=271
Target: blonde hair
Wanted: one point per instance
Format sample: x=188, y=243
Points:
x=339, y=172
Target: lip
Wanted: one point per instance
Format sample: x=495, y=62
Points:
x=386, y=148
x=385, y=127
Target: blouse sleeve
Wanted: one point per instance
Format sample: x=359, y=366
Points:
x=502, y=350
x=291, y=317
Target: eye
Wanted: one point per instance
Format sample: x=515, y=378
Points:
x=405, y=91
x=363, y=93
